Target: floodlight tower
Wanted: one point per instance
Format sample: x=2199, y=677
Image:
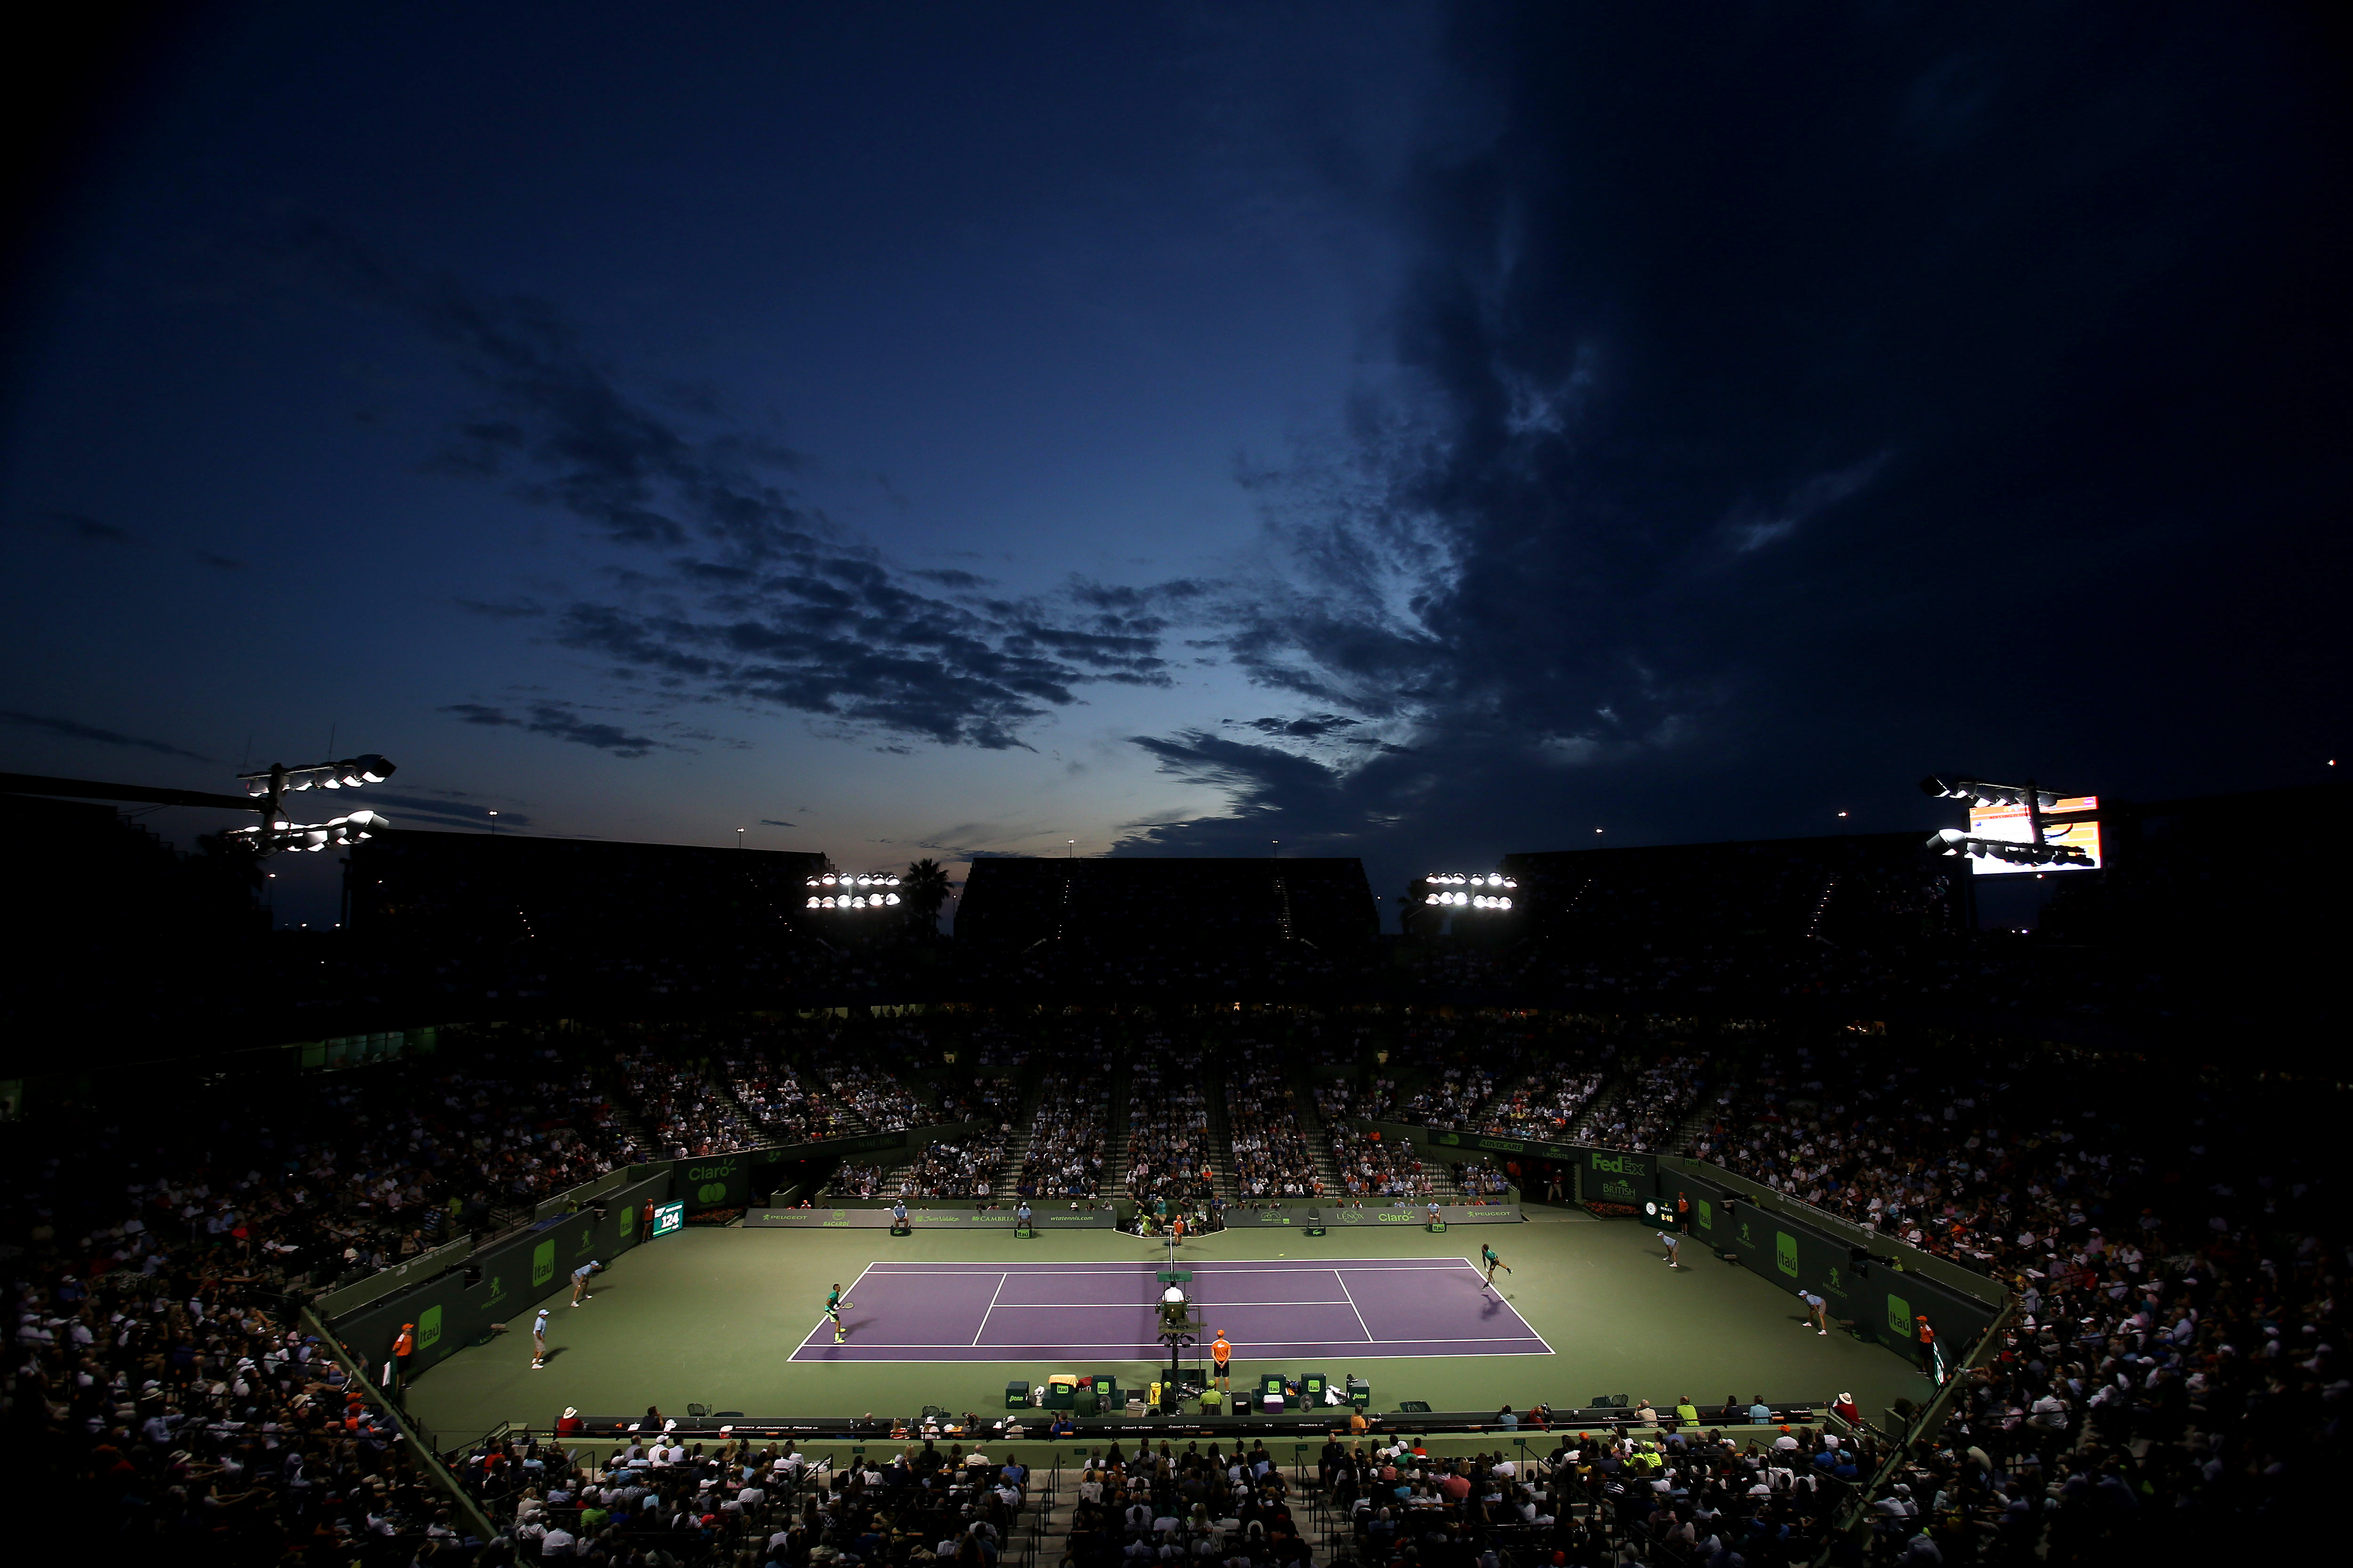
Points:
x=264, y=792
x=272, y=785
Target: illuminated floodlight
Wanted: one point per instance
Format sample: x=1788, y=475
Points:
x=1978, y=792
x=350, y=774
x=1953, y=841
x=279, y=834
x=1455, y=890
x=844, y=892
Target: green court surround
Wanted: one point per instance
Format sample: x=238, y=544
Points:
x=711, y=1316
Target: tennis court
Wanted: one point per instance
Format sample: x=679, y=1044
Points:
x=1359, y=1307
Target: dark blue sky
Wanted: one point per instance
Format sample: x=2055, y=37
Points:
x=1408, y=431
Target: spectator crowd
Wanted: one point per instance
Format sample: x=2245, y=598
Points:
x=2171, y=1383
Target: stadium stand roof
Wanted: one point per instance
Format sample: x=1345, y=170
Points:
x=1016, y=903
x=457, y=889
x=1848, y=887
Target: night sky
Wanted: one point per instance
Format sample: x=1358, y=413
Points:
x=1414, y=432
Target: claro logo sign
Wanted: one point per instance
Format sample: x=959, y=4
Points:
x=709, y=1179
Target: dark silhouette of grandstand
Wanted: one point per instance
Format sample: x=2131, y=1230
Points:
x=107, y=927
x=1014, y=905
x=1864, y=889
x=453, y=891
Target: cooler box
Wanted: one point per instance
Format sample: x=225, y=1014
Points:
x=1311, y=1388
x=1107, y=1388
x=1016, y=1396
x=1062, y=1390
x=1360, y=1393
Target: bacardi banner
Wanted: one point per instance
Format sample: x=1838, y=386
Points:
x=1337, y=1218
x=926, y=1219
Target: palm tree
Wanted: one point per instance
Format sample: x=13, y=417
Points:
x=925, y=887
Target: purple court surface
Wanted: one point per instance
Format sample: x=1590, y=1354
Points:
x=1359, y=1309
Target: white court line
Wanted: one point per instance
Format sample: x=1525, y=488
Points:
x=1353, y=1308
x=1480, y=1275
x=1048, y=1271
x=1131, y=1306
x=992, y=1307
x=1307, y=1347
x=1237, y=1344
x=821, y=1318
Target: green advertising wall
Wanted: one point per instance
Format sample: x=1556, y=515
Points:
x=1796, y=1256
x=516, y=1275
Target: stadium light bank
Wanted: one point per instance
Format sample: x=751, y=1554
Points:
x=1489, y=891
x=264, y=792
x=278, y=832
x=840, y=891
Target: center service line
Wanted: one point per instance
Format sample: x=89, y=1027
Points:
x=984, y=1317
x=1352, y=1306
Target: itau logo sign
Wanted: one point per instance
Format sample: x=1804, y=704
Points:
x=542, y=1262
x=1899, y=1316
x=1785, y=1252
x=428, y=1328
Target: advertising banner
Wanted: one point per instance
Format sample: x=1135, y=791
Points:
x=1612, y=1176
x=721, y=1182
x=926, y=1219
x=1482, y=1143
